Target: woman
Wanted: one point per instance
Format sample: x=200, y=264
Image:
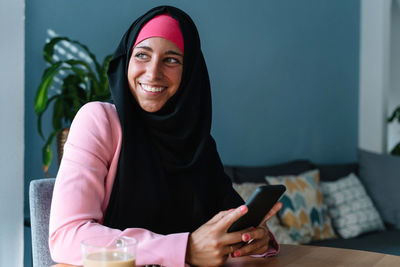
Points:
x=147, y=166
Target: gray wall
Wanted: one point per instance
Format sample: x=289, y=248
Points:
x=284, y=74
x=11, y=132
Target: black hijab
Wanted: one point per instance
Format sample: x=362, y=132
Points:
x=169, y=178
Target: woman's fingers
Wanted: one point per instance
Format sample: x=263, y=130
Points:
x=256, y=245
x=230, y=249
x=219, y=216
x=210, y=244
x=254, y=248
x=236, y=237
x=226, y=221
x=243, y=236
x=256, y=233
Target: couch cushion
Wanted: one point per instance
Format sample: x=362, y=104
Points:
x=350, y=208
x=256, y=174
x=281, y=232
x=383, y=242
x=380, y=175
x=303, y=210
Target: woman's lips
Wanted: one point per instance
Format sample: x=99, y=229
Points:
x=151, y=89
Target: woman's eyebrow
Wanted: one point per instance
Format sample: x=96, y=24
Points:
x=171, y=52
x=168, y=52
x=148, y=48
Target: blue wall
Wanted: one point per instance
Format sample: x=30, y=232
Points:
x=284, y=74
x=285, y=80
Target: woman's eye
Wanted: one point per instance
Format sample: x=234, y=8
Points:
x=172, y=60
x=141, y=55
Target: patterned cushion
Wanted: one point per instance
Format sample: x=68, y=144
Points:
x=303, y=209
x=350, y=207
x=280, y=232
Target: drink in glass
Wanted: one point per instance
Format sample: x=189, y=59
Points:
x=108, y=251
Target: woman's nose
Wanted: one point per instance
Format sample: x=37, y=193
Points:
x=154, y=69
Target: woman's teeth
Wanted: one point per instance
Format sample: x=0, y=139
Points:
x=152, y=89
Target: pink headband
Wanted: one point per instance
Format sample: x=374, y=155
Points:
x=162, y=26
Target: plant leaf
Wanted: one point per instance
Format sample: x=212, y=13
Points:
x=48, y=49
x=39, y=122
x=39, y=125
x=94, y=86
x=47, y=156
x=74, y=96
x=47, y=153
x=91, y=55
x=75, y=62
x=40, y=103
x=95, y=89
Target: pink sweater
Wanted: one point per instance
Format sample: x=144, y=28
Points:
x=82, y=191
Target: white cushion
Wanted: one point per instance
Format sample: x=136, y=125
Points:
x=350, y=208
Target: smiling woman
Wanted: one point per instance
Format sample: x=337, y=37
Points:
x=155, y=72
x=155, y=67
x=146, y=166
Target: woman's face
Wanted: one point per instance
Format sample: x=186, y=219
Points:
x=155, y=72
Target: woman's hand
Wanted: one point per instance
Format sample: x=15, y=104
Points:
x=257, y=241
x=210, y=244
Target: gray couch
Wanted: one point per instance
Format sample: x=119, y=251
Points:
x=387, y=241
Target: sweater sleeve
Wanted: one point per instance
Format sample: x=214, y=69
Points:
x=82, y=190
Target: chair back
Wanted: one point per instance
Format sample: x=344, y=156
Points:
x=40, y=195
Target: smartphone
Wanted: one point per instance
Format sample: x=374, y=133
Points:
x=259, y=204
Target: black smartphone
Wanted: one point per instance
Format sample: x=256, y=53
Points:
x=259, y=204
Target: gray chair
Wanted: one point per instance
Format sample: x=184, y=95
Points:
x=40, y=195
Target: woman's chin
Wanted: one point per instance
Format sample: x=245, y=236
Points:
x=152, y=107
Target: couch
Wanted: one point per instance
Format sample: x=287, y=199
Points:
x=372, y=169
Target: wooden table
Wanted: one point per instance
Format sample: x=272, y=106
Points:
x=310, y=256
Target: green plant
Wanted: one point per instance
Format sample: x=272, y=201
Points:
x=395, y=116
x=81, y=83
